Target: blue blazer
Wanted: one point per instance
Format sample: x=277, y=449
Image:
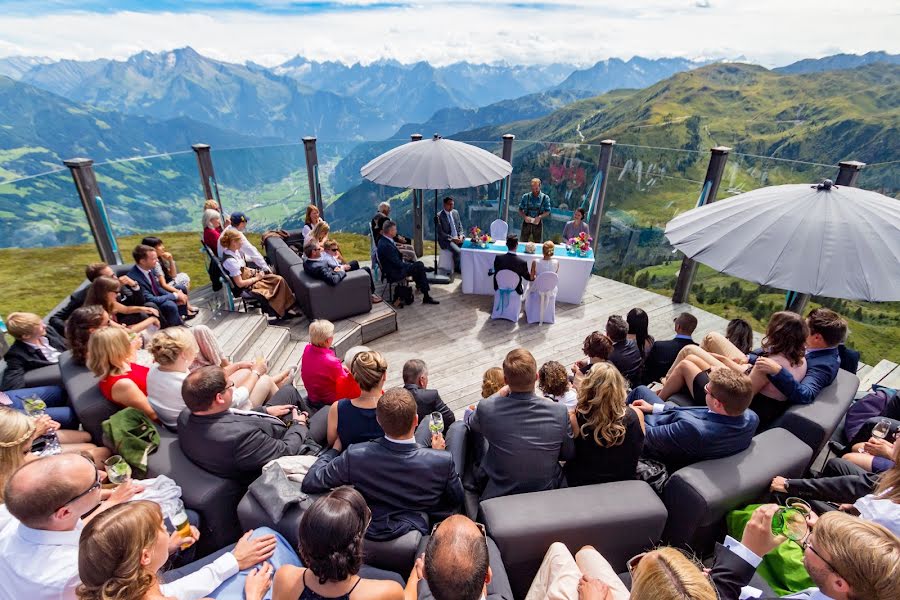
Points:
x=681, y=435
x=821, y=369
x=136, y=274
x=319, y=269
x=390, y=260
x=405, y=485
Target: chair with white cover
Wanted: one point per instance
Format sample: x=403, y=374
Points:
x=540, y=301
x=499, y=229
x=507, y=303
x=445, y=262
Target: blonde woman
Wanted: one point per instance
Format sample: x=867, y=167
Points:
x=320, y=232
x=491, y=382
x=547, y=263
x=352, y=421
x=609, y=435
x=111, y=356
x=273, y=288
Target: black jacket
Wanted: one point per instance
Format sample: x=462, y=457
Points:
x=405, y=485
x=662, y=356
x=318, y=269
x=512, y=262
x=627, y=359
x=849, y=358
x=390, y=260
x=429, y=401
x=21, y=358
x=236, y=446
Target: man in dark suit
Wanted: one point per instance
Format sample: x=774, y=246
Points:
x=233, y=443
x=35, y=346
x=129, y=295
x=625, y=354
x=849, y=358
x=404, y=484
x=826, y=330
x=450, y=231
x=526, y=435
x=462, y=563
x=393, y=266
x=317, y=268
x=172, y=306
x=682, y=435
x=415, y=380
x=512, y=262
x=663, y=352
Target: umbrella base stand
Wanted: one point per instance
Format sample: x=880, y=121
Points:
x=437, y=279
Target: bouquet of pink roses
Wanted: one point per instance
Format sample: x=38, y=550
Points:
x=479, y=238
x=581, y=243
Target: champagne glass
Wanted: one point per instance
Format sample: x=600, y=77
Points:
x=179, y=519
x=881, y=429
x=791, y=520
x=437, y=423
x=117, y=470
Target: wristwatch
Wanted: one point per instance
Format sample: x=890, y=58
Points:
x=786, y=484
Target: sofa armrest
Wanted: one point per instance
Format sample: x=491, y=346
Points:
x=49, y=375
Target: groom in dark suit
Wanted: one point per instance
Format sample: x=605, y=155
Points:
x=663, y=352
x=450, y=230
x=512, y=262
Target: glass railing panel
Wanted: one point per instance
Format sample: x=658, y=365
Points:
x=41, y=211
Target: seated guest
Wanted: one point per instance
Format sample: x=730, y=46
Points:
x=353, y=420
x=320, y=232
x=625, y=354
x=547, y=262
x=526, y=436
x=235, y=443
x=35, y=346
x=681, y=435
x=491, y=382
x=167, y=273
x=254, y=258
x=273, y=289
x=404, y=484
x=331, y=547
x=553, y=381
x=130, y=294
x=123, y=550
x=325, y=378
x=311, y=220
x=739, y=333
x=331, y=254
x=460, y=563
x=450, y=231
x=104, y=292
x=849, y=358
x=317, y=267
x=79, y=327
x=576, y=226
x=875, y=455
x=111, y=356
x=402, y=243
x=393, y=266
x=512, y=262
x=415, y=380
x=663, y=352
x=638, y=330
x=609, y=435
x=597, y=347
x=212, y=228
x=170, y=305
x=53, y=396
x=19, y=432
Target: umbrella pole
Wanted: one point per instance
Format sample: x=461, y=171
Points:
x=435, y=277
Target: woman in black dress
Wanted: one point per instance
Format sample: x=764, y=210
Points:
x=609, y=435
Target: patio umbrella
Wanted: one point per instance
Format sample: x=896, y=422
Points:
x=437, y=164
x=823, y=240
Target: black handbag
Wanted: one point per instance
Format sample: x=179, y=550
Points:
x=654, y=473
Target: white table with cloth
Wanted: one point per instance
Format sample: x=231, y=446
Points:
x=574, y=271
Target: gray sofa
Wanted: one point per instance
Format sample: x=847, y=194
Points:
x=88, y=403
x=700, y=495
x=619, y=519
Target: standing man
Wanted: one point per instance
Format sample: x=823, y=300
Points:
x=533, y=207
x=450, y=231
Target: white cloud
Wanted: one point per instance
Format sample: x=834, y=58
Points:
x=766, y=31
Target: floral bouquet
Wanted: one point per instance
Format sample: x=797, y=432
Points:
x=581, y=244
x=479, y=238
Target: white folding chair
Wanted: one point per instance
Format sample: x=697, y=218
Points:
x=445, y=262
x=499, y=229
x=507, y=303
x=540, y=302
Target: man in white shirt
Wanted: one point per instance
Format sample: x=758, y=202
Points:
x=251, y=254
x=47, y=499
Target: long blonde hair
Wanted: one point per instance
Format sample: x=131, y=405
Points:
x=16, y=431
x=888, y=487
x=667, y=574
x=110, y=548
x=108, y=351
x=601, y=400
x=320, y=231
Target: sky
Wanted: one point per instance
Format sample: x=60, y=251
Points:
x=269, y=32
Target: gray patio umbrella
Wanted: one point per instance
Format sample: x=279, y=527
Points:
x=436, y=164
x=824, y=240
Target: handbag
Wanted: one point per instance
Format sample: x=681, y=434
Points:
x=654, y=473
x=132, y=434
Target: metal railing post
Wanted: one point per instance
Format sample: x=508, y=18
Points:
x=606, y=150
x=418, y=213
x=312, y=172
x=208, y=175
x=92, y=202
x=505, y=192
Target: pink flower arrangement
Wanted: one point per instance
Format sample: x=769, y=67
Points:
x=478, y=237
x=581, y=243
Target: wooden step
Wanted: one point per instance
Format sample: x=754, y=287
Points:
x=236, y=331
x=268, y=343
x=892, y=380
x=883, y=370
x=290, y=355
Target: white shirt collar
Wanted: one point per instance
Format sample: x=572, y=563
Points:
x=43, y=537
x=411, y=440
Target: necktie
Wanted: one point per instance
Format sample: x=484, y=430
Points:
x=452, y=225
x=153, y=285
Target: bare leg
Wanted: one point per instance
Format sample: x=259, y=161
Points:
x=264, y=389
x=144, y=325
x=592, y=563
x=682, y=376
x=72, y=436
x=239, y=377
x=860, y=459
x=697, y=351
x=719, y=344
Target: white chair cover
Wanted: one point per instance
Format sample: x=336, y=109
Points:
x=499, y=229
x=507, y=303
x=540, y=302
x=445, y=261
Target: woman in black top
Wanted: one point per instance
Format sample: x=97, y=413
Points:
x=609, y=435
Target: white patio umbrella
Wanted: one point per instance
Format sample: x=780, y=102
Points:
x=825, y=240
x=436, y=164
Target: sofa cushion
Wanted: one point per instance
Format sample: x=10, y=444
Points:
x=318, y=300
x=84, y=395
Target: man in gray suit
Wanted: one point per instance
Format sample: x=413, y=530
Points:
x=526, y=435
x=450, y=230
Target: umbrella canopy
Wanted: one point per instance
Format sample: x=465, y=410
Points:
x=839, y=242
x=436, y=164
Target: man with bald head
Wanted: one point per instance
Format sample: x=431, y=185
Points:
x=457, y=563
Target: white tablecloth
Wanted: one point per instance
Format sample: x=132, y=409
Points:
x=574, y=272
